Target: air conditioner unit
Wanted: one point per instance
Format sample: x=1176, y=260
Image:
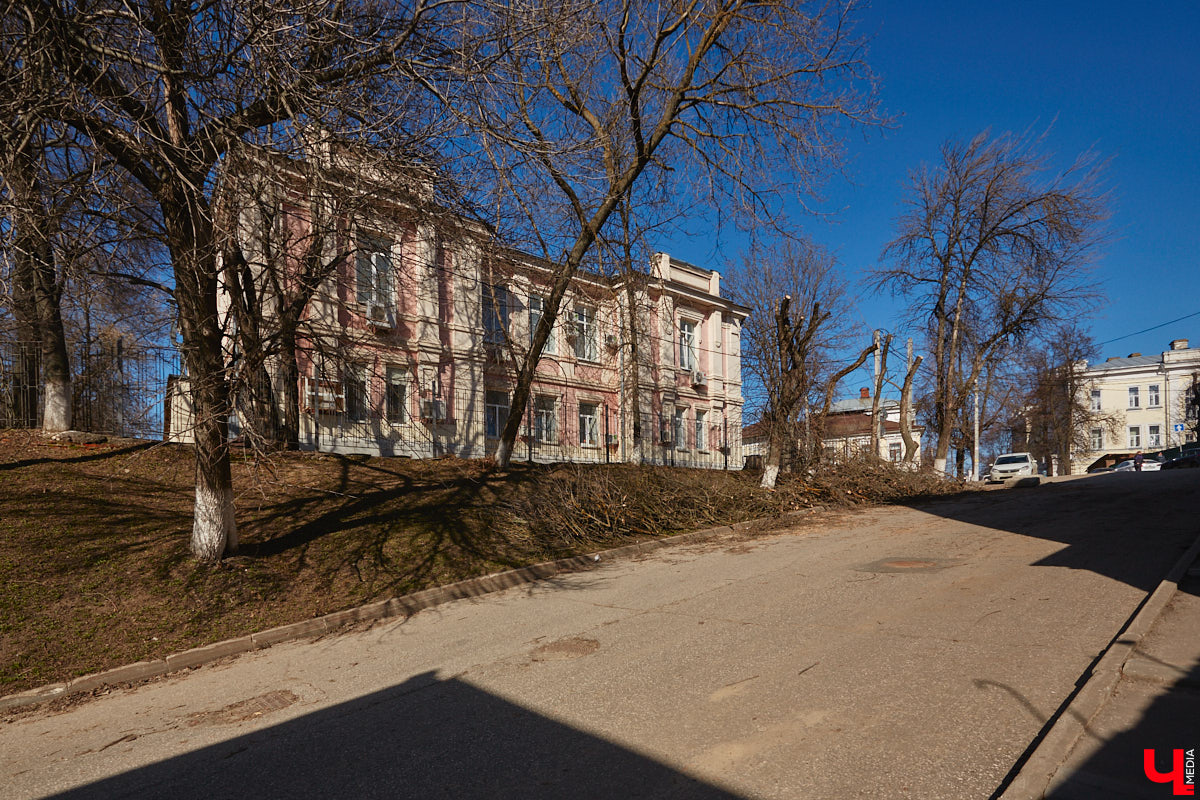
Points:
x=699, y=378
x=433, y=410
x=379, y=315
x=610, y=340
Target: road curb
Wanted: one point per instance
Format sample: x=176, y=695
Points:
x=381, y=609
x=1039, y=775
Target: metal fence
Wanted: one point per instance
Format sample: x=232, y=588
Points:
x=136, y=391
x=380, y=417
x=118, y=388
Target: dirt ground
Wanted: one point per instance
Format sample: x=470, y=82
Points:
x=95, y=570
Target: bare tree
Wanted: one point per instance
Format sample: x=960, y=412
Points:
x=1056, y=413
x=789, y=342
x=586, y=101
x=166, y=90
x=992, y=250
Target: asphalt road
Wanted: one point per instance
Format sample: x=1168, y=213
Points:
x=898, y=652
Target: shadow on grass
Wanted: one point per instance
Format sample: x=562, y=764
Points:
x=98, y=455
x=423, y=738
x=406, y=534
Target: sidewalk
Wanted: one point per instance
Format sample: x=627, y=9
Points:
x=1144, y=694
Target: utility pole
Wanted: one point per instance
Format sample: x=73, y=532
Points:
x=975, y=439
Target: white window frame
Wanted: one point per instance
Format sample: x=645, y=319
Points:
x=496, y=407
x=1096, y=400
x=1135, y=436
x=545, y=419
x=701, y=418
x=1097, y=439
x=537, y=310
x=1153, y=436
x=680, y=428
x=396, y=407
x=373, y=267
x=1135, y=400
x=1153, y=399
x=587, y=347
x=589, y=424
x=688, y=342
x=895, y=452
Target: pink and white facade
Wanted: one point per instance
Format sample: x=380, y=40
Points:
x=411, y=347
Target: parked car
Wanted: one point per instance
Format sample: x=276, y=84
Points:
x=1149, y=465
x=1190, y=461
x=1013, y=465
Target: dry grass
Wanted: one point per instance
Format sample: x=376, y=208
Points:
x=95, y=572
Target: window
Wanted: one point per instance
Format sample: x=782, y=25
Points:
x=586, y=347
x=537, y=310
x=1154, y=436
x=680, y=429
x=495, y=313
x=495, y=412
x=373, y=272
x=1152, y=395
x=545, y=427
x=894, y=452
x=1095, y=399
x=664, y=429
x=589, y=427
x=1133, y=397
x=701, y=443
x=1135, y=436
x=687, y=344
x=1097, y=436
x=356, y=393
x=396, y=393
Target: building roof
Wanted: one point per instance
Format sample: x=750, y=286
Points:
x=1128, y=361
x=855, y=424
x=836, y=426
x=859, y=404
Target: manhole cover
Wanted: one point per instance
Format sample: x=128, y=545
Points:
x=907, y=565
x=566, y=648
x=245, y=709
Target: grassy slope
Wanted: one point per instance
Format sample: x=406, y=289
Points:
x=94, y=568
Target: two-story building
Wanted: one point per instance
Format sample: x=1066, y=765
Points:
x=410, y=347
x=1140, y=402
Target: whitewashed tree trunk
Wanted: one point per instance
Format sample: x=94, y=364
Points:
x=504, y=453
x=56, y=415
x=770, y=475
x=214, y=530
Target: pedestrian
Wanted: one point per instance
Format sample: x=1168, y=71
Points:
x=1138, y=458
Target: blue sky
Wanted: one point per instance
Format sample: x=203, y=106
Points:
x=1122, y=79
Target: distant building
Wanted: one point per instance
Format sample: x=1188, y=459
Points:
x=847, y=432
x=1148, y=403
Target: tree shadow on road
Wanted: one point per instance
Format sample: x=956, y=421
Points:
x=424, y=738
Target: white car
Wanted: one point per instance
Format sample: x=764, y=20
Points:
x=1013, y=465
x=1149, y=465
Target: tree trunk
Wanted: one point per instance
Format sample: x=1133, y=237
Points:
x=289, y=398
x=774, y=459
x=906, y=432
x=635, y=370
x=36, y=274
x=189, y=230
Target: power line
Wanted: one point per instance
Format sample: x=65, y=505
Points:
x=1147, y=330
